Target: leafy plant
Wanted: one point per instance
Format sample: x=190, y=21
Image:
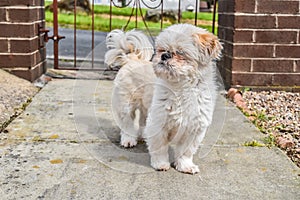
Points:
x=245, y=89
x=254, y=143
x=270, y=140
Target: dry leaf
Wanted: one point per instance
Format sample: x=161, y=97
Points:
x=56, y=161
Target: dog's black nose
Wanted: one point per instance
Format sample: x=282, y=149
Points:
x=166, y=56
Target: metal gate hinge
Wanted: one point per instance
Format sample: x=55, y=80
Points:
x=43, y=33
x=46, y=37
x=56, y=37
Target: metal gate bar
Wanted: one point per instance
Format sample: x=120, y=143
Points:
x=75, y=33
x=162, y=16
x=179, y=11
x=196, y=13
x=93, y=33
x=55, y=33
x=214, y=16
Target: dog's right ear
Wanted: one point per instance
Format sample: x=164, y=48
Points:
x=210, y=43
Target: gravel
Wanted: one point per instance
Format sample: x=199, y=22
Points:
x=277, y=113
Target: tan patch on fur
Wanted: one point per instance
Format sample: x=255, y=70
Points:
x=178, y=57
x=177, y=61
x=131, y=48
x=211, y=42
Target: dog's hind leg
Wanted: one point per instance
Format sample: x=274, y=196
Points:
x=129, y=134
x=142, y=121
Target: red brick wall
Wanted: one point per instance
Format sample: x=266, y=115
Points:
x=261, y=43
x=21, y=46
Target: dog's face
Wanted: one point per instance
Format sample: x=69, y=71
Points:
x=183, y=49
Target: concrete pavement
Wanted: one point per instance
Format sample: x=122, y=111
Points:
x=65, y=146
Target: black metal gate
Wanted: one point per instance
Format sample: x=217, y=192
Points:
x=75, y=63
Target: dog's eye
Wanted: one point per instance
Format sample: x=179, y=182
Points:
x=160, y=50
x=180, y=52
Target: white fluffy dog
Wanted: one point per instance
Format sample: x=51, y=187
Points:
x=131, y=52
x=184, y=95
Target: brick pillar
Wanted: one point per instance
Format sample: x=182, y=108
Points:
x=261, y=43
x=21, y=46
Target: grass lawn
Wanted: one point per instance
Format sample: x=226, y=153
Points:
x=120, y=19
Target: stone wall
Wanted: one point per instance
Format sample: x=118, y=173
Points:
x=22, y=50
x=261, y=43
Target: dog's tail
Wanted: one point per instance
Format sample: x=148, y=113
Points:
x=120, y=44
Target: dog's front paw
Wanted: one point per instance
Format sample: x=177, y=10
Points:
x=186, y=165
x=128, y=141
x=160, y=160
x=161, y=166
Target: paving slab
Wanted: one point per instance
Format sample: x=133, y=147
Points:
x=66, y=145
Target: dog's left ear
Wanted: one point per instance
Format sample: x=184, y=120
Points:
x=210, y=43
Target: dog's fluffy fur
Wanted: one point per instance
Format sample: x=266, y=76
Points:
x=184, y=95
x=131, y=52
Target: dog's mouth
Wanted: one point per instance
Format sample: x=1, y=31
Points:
x=165, y=70
x=165, y=65
x=162, y=63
